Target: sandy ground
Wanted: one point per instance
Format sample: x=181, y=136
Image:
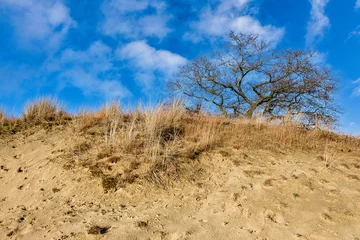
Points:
x=238, y=194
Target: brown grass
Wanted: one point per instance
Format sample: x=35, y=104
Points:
x=43, y=110
x=2, y=117
x=85, y=119
x=289, y=137
x=157, y=144
x=9, y=124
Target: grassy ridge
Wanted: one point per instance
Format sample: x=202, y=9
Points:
x=163, y=144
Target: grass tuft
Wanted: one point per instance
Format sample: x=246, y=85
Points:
x=2, y=117
x=44, y=110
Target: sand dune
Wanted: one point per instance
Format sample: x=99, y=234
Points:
x=234, y=194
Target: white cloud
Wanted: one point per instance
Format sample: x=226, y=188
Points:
x=97, y=58
x=149, y=62
x=228, y=5
x=356, y=91
x=40, y=25
x=357, y=4
x=91, y=70
x=318, y=23
x=355, y=32
x=248, y=24
x=135, y=19
x=91, y=84
x=217, y=20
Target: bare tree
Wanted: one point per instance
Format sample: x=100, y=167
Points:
x=250, y=76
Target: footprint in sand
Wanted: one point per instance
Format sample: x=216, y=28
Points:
x=326, y=217
x=356, y=165
x=344, y=165
x=253, y=173
x=353, y=177
x=274, y=217
x=323, y=181
x=296, y=195
x=303, y=179
x=4, y=168
x=269, y=182
x=333, y=191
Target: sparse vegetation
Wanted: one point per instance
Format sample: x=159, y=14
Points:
x=130, y=168
x=157, y=144
x=2, y=117
x=9, y=124
x=44, y=110
x=166, y=143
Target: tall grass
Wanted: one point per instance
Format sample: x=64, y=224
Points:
x=2, y=117
x=164, y=123
x=43, y=110
x=159, y=142
x=152, y=130
x=112, y=115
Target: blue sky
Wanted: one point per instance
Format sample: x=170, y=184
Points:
x=87, y=52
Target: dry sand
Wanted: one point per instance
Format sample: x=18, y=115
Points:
x=237, y=194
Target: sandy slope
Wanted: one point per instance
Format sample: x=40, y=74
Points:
x=238, y=194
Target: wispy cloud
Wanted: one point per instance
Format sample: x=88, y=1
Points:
x=356, y=91
x=149, y=62
x=318, y=23
x=219, y=18
x=91, y=70
x=135, y=19
x=38, y=25
x=355, y=32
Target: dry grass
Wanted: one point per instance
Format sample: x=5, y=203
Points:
x=9, y=124
x=260, y=134
x=112, y=115
x=106, y=117
x=85, y=119
x=158, y=143
x=162, y=137
x=43, y=110
x=2, y=117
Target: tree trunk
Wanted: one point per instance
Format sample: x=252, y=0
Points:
x=223, y=111
x=249, y=113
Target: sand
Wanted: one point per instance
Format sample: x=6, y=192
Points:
x=237, y=194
